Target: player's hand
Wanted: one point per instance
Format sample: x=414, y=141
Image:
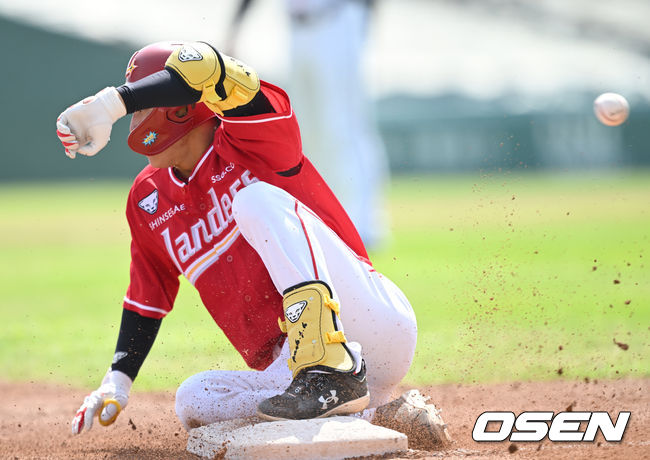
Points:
x=106, y=402
x=85, y=127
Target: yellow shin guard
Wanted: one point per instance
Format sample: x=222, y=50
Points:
x=311, y=327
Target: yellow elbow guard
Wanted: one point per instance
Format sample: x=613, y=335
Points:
x=224, y=82
x=311, y=327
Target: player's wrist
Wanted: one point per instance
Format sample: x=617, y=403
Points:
x=112, y=101
x=117, y=381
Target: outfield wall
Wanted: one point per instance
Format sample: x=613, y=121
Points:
x=453, y=133
x=43, y=72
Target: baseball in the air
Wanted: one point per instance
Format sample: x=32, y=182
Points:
x=611, y=109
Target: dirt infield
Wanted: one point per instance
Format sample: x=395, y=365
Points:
x=35, y=420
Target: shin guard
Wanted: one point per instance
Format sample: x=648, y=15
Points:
x=315, y=338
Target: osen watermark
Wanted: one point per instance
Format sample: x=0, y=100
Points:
x=563, y=426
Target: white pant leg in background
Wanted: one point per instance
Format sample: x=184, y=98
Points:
x=329, y=94
x=296, y=246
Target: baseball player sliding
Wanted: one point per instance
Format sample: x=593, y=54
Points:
x=230, y=202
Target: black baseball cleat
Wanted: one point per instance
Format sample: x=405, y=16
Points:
x=317, y=395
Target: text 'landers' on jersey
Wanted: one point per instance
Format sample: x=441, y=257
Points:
x=198, y=242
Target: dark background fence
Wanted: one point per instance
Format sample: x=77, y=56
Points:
x=43, y=73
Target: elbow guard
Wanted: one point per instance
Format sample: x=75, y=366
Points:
x=225, y=83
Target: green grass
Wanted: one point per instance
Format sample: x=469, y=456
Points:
x=512, y=278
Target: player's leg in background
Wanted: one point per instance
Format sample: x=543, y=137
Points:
x=362, y=148
x=296, y=246
x=329, y=95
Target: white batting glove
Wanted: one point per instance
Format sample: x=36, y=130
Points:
x=114, y=389
x=85, y=127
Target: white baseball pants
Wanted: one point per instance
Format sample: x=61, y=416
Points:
x=296, y=246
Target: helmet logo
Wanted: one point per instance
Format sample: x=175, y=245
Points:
x=150, y=138
x=187, y=53
x=130, y=70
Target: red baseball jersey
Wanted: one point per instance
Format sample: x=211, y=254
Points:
x=188, y=227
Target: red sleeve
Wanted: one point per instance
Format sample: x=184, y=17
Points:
x=153, y=276
x=269, y=141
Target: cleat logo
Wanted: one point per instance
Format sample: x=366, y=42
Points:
x=149, y=203
x=294, y=311
x=330, y=399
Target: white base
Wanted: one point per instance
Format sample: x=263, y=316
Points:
x=326, y=438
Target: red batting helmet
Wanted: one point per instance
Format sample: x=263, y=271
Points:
x=164, y=125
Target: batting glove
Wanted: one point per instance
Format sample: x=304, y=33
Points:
x=85, y=127
x=106, y=402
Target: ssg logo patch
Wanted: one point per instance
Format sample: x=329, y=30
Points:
x=149, y=203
